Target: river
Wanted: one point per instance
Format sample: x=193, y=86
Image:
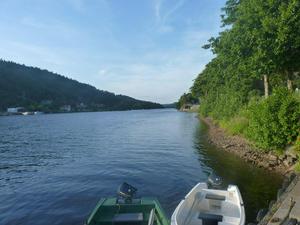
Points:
x=55, y=167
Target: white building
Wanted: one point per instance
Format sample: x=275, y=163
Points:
x=66, y=108
x=15, y=109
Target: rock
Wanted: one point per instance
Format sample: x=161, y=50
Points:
x=273, y=163
x=228, y=145
x=286, y=163
x=271, y=204
x=289, y=161
x=290, y=221
x=273, y=157
x=260, y=215
x=292, y=159
x=292, y=153
x=282, y=157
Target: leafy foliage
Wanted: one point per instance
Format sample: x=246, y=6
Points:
x=186, y=98
x=38, y=89
x=274, y=122
x=261, y=39
x=235, y=125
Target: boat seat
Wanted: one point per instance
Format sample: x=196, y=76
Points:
x=210, y=219
x=128, y=218
x=215, y=197
x=209, y=216
x=230, y=219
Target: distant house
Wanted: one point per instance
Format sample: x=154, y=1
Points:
x=15, y=109
x=65, y=108
x=188, y=107
x=81, y=106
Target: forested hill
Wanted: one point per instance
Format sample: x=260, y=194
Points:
x=37, y=89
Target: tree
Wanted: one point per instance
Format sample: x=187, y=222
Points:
x=287, y=43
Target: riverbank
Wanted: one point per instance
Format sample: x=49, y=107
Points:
x=283, y=163
x=286, y=210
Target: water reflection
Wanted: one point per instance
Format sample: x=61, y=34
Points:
x=257, y=185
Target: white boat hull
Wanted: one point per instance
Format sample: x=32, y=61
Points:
x=203, y=206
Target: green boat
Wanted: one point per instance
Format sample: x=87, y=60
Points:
x=124, y=210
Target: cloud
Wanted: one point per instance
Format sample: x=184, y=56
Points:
x=160, y=75
x=173, y=9
x=162, y=19
x=102, y=72
x=157, y=5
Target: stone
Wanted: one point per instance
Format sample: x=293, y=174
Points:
x=282, y=157
x=273, y=157
x=292, y=153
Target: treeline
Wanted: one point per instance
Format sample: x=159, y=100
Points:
x=186, y=98
x=251, y=85
x=41, y=90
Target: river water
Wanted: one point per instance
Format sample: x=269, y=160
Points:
x=54, y=168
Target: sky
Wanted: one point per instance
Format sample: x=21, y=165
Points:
x=146, y=49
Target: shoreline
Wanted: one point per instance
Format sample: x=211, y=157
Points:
x=283, y=164
x=44, y=113
x=281, y=209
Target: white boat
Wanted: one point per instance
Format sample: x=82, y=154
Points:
x=27, y=113
x=38, y=113
x=204, y=206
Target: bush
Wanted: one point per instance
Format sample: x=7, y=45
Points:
x=274, y=122
x=222, y=104
x=236, y=125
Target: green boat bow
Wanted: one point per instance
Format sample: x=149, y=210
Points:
x=143, y=211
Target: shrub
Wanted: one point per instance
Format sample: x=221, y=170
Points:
x=222, y=104
x=274, y=122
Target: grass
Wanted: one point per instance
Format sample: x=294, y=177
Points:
x=297, y=167
x=235, y=125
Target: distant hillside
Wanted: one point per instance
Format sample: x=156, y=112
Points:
x=37, y=89
x=170, y=105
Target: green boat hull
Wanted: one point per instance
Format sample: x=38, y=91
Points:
x=108, y=210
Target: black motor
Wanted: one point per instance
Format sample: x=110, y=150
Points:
x=214, y=181
x=126, y=193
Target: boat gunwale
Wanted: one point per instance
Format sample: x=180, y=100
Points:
x=95, y=210
x=190, y=194
x=159, y=211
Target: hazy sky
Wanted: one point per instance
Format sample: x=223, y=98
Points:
x=147, y=49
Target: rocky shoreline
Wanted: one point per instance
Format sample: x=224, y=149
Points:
x=238, y=145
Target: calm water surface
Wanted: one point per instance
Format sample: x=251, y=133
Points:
x=54, y=168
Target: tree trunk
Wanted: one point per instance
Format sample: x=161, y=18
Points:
x=289, y=84
x=289, y=81
x=266, y=86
